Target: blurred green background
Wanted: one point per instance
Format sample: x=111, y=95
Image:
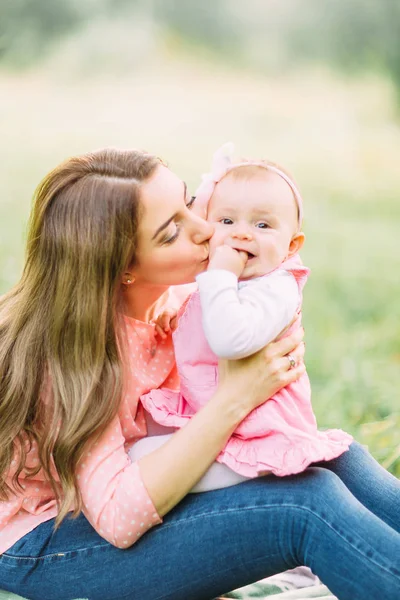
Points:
x=311, y=84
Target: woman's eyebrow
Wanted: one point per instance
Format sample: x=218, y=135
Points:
x=164, y=225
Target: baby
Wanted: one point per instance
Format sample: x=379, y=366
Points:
x=250, y=294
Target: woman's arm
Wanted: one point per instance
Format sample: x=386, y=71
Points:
x=171, y=471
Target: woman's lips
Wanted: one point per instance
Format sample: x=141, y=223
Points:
x=207, y=249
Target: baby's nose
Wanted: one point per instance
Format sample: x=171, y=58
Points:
x=242, y=234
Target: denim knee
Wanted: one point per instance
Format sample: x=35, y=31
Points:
x=317, y=481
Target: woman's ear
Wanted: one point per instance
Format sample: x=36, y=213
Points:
x=128, y=278
x=296, y=244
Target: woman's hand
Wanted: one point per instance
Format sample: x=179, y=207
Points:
x=171, y=471
x=252, y=380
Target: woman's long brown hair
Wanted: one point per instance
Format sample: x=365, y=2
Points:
x=59, y=324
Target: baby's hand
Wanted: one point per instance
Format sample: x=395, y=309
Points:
x=229, y=259
x=165, y=323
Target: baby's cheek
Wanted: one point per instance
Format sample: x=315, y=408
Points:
x=218, y=238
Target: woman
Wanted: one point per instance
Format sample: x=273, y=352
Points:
x=109, y=233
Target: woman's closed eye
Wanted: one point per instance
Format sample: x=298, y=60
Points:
x=190, y=202
x=170, y=238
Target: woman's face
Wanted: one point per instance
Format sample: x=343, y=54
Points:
x=172, y=240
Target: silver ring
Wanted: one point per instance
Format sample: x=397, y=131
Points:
x=292, y=362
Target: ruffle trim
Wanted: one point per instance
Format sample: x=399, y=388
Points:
x=278, y=453
x=254, y=457
x=165, y=406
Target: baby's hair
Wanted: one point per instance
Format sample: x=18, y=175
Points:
x=256, y=165
x=243, y=172
x=223, y=166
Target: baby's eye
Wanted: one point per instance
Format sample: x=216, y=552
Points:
x=226, y=221
x=262, y=225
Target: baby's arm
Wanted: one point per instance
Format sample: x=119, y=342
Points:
x=166, y=322
x=239, y=322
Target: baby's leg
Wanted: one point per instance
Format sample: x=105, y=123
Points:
x=147, y=445
x=218, y=476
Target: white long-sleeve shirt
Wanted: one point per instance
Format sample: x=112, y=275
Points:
x=241, y=317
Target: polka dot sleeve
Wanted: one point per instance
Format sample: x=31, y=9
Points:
x=115, y=499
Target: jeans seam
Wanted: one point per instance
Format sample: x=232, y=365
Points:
x=267, y=508
x=54, y=554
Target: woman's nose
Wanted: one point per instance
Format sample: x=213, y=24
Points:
x=203, y=230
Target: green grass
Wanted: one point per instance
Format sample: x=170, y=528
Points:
x=337, y=136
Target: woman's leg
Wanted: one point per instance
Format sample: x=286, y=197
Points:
x=217, y=541
x=371, y=484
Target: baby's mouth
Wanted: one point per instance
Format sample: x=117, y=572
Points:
x=250, y=255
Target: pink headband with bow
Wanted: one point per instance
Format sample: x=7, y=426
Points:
x=222, y=164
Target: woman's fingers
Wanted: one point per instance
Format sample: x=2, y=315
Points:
x=286, y=345
x=292, y=375
x=298, y=353
x=291, y=366
x=257, y=378
x=292, y=360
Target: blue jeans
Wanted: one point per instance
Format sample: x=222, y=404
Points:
x=340, y=518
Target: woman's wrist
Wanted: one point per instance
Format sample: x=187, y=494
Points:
x=229, y=406
x=171, y=471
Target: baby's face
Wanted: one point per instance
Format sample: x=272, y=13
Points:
x=257, y=215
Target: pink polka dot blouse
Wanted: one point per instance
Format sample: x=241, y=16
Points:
x=115, y=500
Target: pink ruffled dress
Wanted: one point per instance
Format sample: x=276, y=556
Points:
x=279, y=437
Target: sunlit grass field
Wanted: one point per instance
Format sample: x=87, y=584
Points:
x=339, y=138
